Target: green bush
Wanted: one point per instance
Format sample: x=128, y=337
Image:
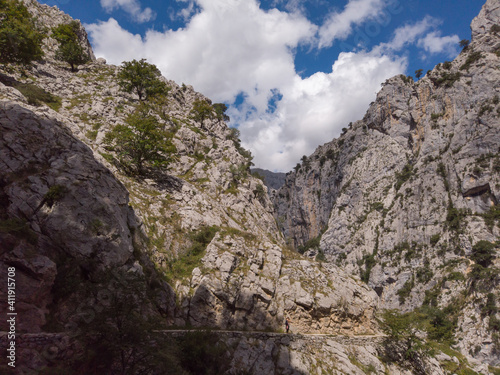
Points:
x=313, y=243
x=405, y=290
x=19, y=228
x=445, y=79
x=403, y=176
x=454, y=217
x=492, y=216
x=370, y=262
x=202, y=110
x=435, y=239
x=483, y=253
x=473, y=57
x=185, y=263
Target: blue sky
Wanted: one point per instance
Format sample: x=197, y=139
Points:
x=293, y=72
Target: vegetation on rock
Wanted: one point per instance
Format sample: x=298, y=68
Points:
x=20, y=39
x=141, y=140
x=141, y=78
x=70, y=50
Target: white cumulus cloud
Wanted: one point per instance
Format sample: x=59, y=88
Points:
x=435, y=43
x=339, y=25
x=132, y=7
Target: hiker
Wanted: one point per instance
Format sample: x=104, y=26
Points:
x=287, y=324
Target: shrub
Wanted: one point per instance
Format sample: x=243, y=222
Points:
x=120, y=338
x=405, y=290
x=20, y=41
x=454, y=217
x=402, y=343
x=220, y=112
x=492, y=216
x=473, y=57
x=19, y=228
x=184, y=265
x=313, y=243
x=202, y=110
x=55, y=193
x=403, y=176
x=435, y=239
x=483, y=253
x=445, y=79
x=370, y=262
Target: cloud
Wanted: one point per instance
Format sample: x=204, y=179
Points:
x=435, y=43
x=424, y=35
x=409, y=33
x=234, y=49
x=314, y=110
x=339, y=25
x=132, y=7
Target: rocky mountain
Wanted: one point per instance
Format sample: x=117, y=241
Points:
x=407, y=198
x=400, y=212
x=192, y=243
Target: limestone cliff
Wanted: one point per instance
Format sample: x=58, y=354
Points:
x=406, y=197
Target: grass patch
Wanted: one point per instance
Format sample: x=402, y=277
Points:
x=36, y=96
x=183, y=266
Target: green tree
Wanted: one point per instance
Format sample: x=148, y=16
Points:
x=403, y=344
x=201, y=111
x=418, y=73
x=70, y=49
x=140, y=140
x=464, y=44
x=20, y=41
x=220, y=112
x=142, y=78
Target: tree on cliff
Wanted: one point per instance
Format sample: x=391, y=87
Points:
x=20, y=41
x=139, y=141
x=142, y=78
x=201, y=111
x=69, y=50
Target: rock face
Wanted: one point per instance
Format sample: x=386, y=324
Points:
x=402, y=197
x=201, y=235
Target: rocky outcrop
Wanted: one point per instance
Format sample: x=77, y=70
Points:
x=403, y=196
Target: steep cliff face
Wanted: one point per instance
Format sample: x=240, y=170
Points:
x=406, y=195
